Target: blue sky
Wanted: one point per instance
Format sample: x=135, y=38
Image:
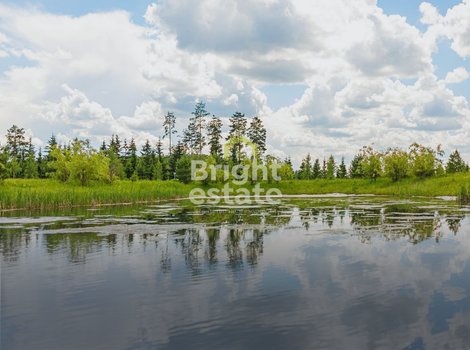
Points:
x=325, y=76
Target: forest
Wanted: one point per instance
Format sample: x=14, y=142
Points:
x=78, y=162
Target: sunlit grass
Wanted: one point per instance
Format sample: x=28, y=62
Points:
x=40, y=194
x=43, y=194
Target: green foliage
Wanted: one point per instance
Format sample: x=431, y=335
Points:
x=305, y=171
x=342, y=172
x=158, y=171
x=60, y=158
x=214, y=130
x=257, y=134
x=86, y=165
x=330, y=168
x=237, y=130
x=316, y=171
x=116, y=169
x=464, y=195
x=183, y=169
x=355, y=170
x=3, y=168
x=456, y=164
x=396, y=164
x=286, y=171
x=371, y=163
x=194, y=136
x=169, y=128
x=423, y=160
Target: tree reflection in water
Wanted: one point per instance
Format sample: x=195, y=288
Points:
x=234, y=237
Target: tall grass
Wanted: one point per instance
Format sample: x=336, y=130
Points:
x=464, y=196
x=46, y=194
x=435, y=186
x=42, y=194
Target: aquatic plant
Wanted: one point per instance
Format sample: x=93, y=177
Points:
x=464, y=195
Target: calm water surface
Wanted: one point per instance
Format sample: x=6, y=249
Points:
x=323, y=273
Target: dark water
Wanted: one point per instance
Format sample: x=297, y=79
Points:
x=345, y=273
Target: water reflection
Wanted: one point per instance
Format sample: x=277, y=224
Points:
x=353, y=273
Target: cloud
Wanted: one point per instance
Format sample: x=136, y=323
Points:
x=458, y=75
x=455, y=25
x=101, y=73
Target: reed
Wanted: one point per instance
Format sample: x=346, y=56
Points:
x=46, y=194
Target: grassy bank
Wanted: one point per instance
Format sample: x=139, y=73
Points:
x=449, y=185
x=42, y=194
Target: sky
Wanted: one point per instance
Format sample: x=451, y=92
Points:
x=326, y=76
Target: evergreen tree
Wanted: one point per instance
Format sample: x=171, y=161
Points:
x=147, y=161
x=323, y=170
x=158, y=170
x=214, y=131
x=17, y=149
x=237, y=130
x=316, y=171
x=49, y=158
x=159, y=150
x=131, y=159
x=355, y=170
x=183, y=169
x=342, y=171
x=189, y=136
x=51, y=144
x=42, y=165
x=116, y=169
x=257, y=134
x=178, y=151
x=3, y=162
x=197, y=125
x=169, y=127
x=103, y=147
x=456, y=164
x=330, y=168
x=305, y=170
x=30, y=165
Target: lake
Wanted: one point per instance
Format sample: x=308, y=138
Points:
x=353, y=272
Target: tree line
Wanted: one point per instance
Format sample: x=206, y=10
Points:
x=395, y=163
x=202, y=139
x=78, y=161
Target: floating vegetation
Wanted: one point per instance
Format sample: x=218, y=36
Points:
x=464, y=195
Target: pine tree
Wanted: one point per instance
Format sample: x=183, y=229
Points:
x=51, y=144
x=237, y=130
x=103, y=146
x=158, y=170
x=323, y=171
x=330, y=168
x=169, y=127
x=189, y=136
x=456, y=164
x=342, y=171
x=159, y=150
x=17, y=149
x=30, y=166
x=356, y=170
x=42, y=165
x=147, y=161
x=305, y=171
x=316, y=171
x=178, y=151
x=131, y=159
x=198, y=125
x=257, y=134
x=214, y=131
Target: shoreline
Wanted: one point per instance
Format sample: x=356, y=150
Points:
x=38, y=194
